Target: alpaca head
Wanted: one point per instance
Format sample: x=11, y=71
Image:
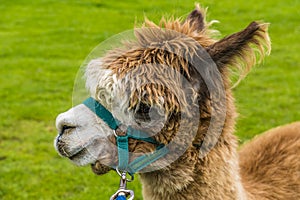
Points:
x=171, y=82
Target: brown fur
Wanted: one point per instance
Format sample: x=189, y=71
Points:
x=269, y=168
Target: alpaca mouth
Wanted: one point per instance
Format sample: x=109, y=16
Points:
x=61, y=148
x=79, y=153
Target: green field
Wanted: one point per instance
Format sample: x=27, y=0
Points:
x=43, y=43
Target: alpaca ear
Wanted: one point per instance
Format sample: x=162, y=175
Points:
x=239, y=48
x=197, y=18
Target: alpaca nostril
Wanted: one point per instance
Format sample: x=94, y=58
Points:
x=65, y=122
x=65, y=128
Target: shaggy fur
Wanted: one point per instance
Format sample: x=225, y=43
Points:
x=267, y=168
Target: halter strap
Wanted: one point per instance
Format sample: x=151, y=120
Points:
x=122, y=141
x=101, y=112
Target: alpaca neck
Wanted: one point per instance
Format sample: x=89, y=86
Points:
x=216, y=176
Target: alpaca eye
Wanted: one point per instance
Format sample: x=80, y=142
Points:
x=142, y=112
x=144, y=108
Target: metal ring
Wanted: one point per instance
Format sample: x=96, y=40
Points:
x=120, y=129
x=115, y=134
x=120, y=174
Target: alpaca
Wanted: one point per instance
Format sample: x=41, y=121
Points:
x=209, y=165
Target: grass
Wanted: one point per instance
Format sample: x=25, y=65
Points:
x=43, y=43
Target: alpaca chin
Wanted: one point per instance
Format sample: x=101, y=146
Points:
x=99, y=168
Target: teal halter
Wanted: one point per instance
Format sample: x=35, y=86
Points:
x=122, y=141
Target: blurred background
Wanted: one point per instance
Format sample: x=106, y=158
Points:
x=44, y=42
